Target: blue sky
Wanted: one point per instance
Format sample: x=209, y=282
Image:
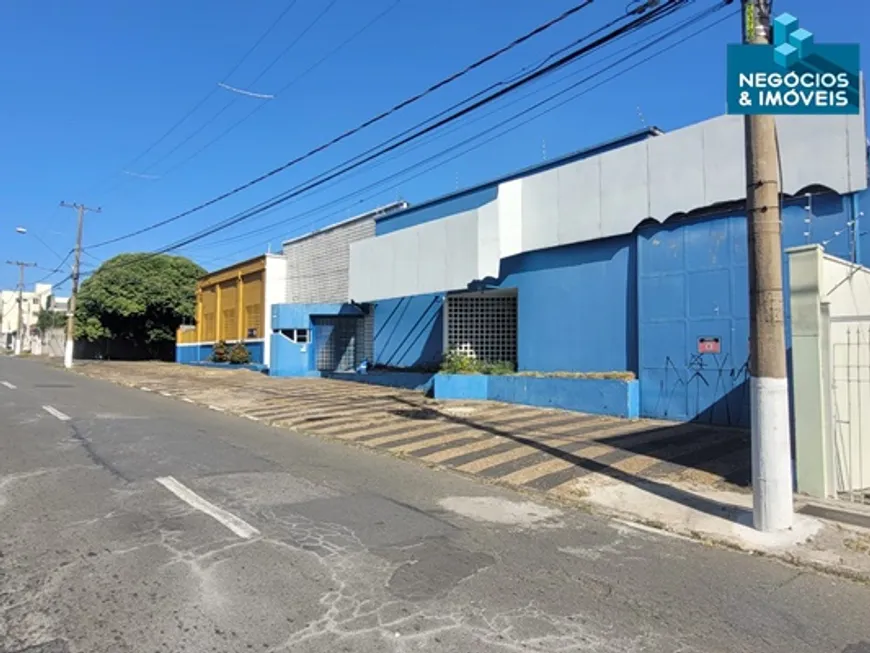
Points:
x=89, y=86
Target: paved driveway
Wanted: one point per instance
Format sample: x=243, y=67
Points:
x=540, y=449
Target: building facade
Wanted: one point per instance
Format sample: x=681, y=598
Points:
x=32, y=303
x=631, y=256
x=316, y=330
x=233, y=305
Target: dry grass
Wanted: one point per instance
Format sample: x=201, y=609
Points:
x=860, y=544
x=619, y=376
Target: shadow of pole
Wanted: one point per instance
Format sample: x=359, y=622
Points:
x=663, y=490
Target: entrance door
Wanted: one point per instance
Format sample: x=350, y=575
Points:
x=693, y=313
x=335, y=343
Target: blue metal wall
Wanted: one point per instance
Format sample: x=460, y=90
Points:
x=409, y=332
x=693, y=283
x=435, y=210
x=197, y=353
x=576, y=306
x=299, y=359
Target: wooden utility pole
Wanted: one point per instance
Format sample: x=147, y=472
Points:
x=19, y=334
x=71, y=315
x=773, y=504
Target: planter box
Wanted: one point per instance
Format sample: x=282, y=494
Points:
x=255, y=367
x=421, y=381
x=597, y=396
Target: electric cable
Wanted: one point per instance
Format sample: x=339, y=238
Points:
x=381, y=116
x=656, y=14
x=664, y=35
x=213, y=91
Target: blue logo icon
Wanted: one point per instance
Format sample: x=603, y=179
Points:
x=791, y=42
x=794, y=75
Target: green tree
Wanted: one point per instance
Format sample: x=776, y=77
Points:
x=141, y=298
x=50, y=320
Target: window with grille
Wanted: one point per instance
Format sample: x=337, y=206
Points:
x=299, y=336
x=483, y=325
x=229, y=327
x=252, y=320
x=208, y=327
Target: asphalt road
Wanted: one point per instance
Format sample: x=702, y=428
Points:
x=145, y=524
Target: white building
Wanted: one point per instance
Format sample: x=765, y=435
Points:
x=32, y=302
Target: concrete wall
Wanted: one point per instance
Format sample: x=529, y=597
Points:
x=275, y=293
x=830, y=330
x=602, y=196
x=317, y=264
x=201, y=352
x=595, y=396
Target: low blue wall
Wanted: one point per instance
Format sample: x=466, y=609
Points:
x=461, y=386
x=197, y=353
x=596, y=396
x=410, y=380
x=255, y=367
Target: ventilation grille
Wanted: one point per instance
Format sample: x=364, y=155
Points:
x=483, y=326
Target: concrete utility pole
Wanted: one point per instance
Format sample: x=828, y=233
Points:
x=19, y=335
x=71, y=314
x=773, y=504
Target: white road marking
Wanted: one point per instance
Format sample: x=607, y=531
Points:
x=238, y=526
x=652, y=530
x=7, y=384
x=54, y=412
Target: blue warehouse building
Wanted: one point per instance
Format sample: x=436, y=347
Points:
x=628, y=257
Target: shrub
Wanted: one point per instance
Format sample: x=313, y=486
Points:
x=220, y=353
x=497, y=367
x=459, y=362
x=239, y=354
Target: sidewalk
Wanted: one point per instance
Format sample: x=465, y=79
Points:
x=686, y=479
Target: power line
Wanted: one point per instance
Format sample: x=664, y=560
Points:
x=652, y=40
x=658, y=13
x=57, y=269
x=213, y=91
x=657, y=39
x=654, y=15
x=405, y=103
x=233, y=100
x=284, y=88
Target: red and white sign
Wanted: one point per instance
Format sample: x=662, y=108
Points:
x=709, y=346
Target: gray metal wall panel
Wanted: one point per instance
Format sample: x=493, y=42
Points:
x=676, y=171
x=608, y=195
x=318, y=266
x=541, y=199
x=579, y=199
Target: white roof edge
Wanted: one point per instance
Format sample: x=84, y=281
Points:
x=368, y=215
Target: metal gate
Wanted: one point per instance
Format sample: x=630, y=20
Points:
x=335, y=343
x=850, y=407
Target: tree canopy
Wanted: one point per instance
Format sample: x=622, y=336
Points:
x=48, y=319
x=141, y=298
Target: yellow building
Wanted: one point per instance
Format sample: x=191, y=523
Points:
x=233, y=304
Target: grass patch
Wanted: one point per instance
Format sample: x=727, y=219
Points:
x=459, y=362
